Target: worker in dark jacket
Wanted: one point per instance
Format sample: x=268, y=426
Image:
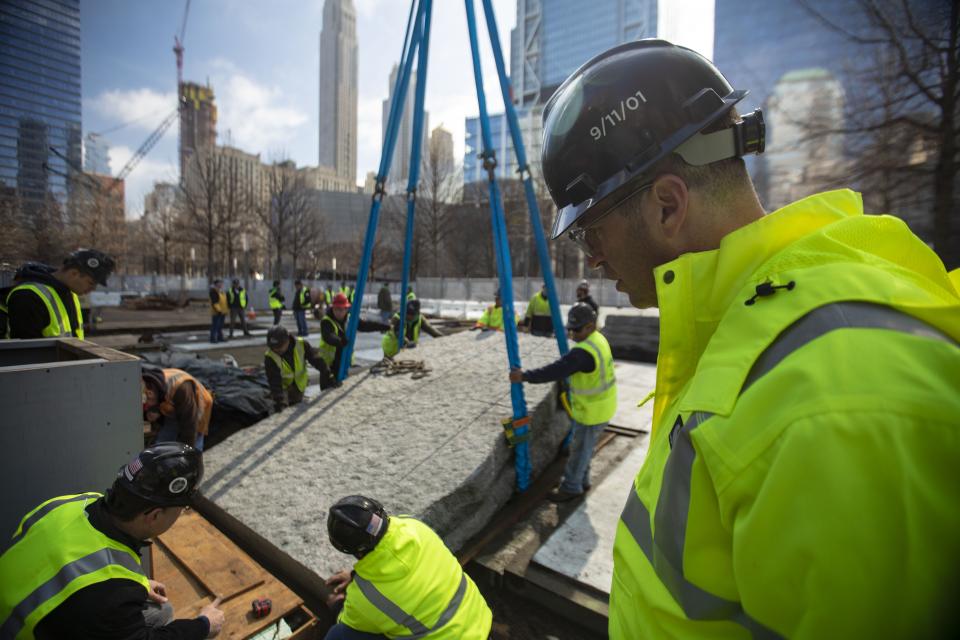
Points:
x=285, y=363
x=46, y=303
x=72, y=569
x=333, y=332
x=583, y=295
x=237, y=301
x=177, y=405
x=385, y=303
x=301, y=302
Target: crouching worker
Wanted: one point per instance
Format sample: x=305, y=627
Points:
x=411, y=330
x=72, y=569
x=593, y=395
x=285, y=363
x=176, y=405
x=406, y=583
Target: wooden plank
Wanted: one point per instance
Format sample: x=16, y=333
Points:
x=209, y=559
x=187, y=583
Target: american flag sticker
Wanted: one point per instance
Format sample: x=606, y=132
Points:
x=132, y=468
x=375, y=523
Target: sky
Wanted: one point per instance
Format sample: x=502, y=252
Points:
x=262, y=59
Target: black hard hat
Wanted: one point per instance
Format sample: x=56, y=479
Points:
x=96, y=264
x=580, y=315
x=627, y=109
x=356, y=524
x=277, y=335
x=165, y=474
x=413, y=307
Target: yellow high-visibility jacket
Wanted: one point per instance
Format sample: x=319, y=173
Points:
x=802, y=476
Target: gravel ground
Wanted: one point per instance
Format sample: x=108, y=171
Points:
x=432, y=447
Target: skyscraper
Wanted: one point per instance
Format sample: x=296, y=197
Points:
x=39, y=104
x=441, y=148
x=338, y=89
x=554, y=37
x=400, y=164
x=96, y=154
x=198, y=122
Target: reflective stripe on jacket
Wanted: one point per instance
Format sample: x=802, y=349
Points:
x=60, y=325
x=594, y=395
x=275, y=302
x=298, y=374
x=203, y=399
x=54, y=553
x=390, y=342
x=411, y=586
x=242, y=295
x=801, y=478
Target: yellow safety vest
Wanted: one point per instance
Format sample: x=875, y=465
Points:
x=539, y=306
x=492, y=318
x=275, y=302
x=390, y=342
x=298, y=374
x=303, y=295
x=242, y=295
x=329, y=351
x=801, y=479
x=220, y=306
x=54, y=553
x=411, y=295
x=60, y=325
x=203, y=399
x=411, y=585
x=593, y=396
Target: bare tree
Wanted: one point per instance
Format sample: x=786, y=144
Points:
x=903, y=115
x=201, y=196
x=305, y=224
x=440, y=187
x=284, y=199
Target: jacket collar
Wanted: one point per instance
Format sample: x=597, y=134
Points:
x=696, y=290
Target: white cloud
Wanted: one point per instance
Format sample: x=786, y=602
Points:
x=144, y=106
x=141, y=179
x=255, y=117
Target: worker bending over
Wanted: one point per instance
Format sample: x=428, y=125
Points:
x=176, y=405
x=411, y=330
x=45, y=302
x=72, y=569
x=333, y=331
x=285, y=363
x=492, y=318
x=592, y=396
x=537, y=318
x=405, y=582
x=802, y=479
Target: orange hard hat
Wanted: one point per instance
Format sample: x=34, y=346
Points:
x=340, y=301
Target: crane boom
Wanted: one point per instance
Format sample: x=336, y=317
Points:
x=145, y=148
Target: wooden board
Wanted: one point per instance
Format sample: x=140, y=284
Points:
x=205, y=557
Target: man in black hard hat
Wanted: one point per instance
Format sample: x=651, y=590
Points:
x=415, y=322
x=405, y=582
x=72, y=569
x=790, y=363
x=591, y=399
x=285, y=364
x=46, y=303
x=583, y=295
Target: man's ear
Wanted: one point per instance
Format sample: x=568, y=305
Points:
x=152, y=515
x=670, y=200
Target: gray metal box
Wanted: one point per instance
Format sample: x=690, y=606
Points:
x=70, y=417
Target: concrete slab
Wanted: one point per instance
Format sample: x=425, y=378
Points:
x=431, y=447
x=635, y=381
x=582, y=547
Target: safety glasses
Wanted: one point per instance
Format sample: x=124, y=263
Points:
x=586, y=236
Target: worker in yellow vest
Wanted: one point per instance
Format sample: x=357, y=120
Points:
x=218, y=311
x=177, y=405
x=801, y=479
x=538, y=318
x=72, y=569
x=592, y=395
x=406, y=583
x=333, y=332
x=45, y=302
x=276, y=299
x=285, y=364
x=411, y=330
x=492, y=317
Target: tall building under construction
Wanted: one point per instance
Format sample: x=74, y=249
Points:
x=198, y=121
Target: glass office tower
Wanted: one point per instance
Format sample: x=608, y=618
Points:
x=40, y=131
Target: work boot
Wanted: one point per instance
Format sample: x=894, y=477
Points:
x=559, y=495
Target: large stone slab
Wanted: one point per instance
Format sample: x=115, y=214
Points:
x=431, y=447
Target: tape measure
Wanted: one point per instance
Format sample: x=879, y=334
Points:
x=261, y=607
